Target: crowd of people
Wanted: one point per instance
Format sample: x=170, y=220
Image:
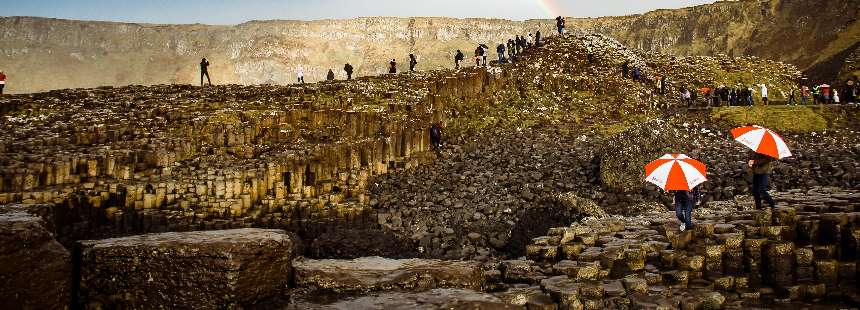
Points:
x=744, y=95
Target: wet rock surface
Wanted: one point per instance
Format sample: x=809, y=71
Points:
x=377, y=273
x=201, y=270
x=429, y=300
x=35, y=270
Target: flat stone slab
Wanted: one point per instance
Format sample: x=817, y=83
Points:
x=35, y=270
x=427, y=300
x=376, y=273
x=189, y=270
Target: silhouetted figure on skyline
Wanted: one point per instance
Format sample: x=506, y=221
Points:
x=348, y=69
x=393, y=68
x=204, y=70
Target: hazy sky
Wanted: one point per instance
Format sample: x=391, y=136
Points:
x=238, y=11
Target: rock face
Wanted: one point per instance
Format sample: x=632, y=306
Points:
x=427, y=300
x=784, y=30
x=35, y=270
x=194, y=270
x=42, y=54
x=376, y=273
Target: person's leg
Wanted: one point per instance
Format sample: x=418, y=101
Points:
x=689, y=215
x=201, y=77
x=764, y=184
x=678, y=212
x=1, y=88
x=208, y=81
x=756, y=190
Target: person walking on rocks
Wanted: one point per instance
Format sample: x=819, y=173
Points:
x=637, y=74
x=485, y=51
x=684, y=202
x=348, y=69
x=764, y=93
x=330, y=75
x=625, y=69
x=392, y=68
x=804, y=95
x=559, y=23
x=458, y=58
x=500, y=49
x=204, y=71
x=300, y=74
x=537, y=38
x=791, y=94
x=761, y=166
x=479, y=52
x=436, y=135
x=412, y=62
x=2, y=82
x=511, y=50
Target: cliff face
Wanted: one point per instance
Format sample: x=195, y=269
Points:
x=819, y=36
x=42, y=54
x=816, y=35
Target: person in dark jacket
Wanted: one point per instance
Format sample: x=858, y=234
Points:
x=458, y=58
x=412, y=62
x=436, y=135
x=537, y=39
x=559, y=23
x=625, y=69
x=761, y=166
x=479, y=53
x=330, y=75
x=511, y=49
x=501, y=50
x=637, y=74
x=392, y=66
x=684, y=202
x=204, y=70
x=348, y=69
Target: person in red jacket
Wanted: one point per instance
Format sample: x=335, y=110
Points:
x=2, y=82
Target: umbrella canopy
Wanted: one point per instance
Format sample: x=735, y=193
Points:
x=676, y=172
x=762, y=140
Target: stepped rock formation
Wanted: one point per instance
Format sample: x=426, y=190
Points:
x=40, y=54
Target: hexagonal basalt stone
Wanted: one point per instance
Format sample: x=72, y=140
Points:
x=209, y=269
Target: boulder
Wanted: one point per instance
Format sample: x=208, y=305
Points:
x=207, y=269
x=35, y=270
x=377, y=274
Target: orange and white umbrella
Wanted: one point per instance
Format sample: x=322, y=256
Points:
x=762, y=140
x=676, y=172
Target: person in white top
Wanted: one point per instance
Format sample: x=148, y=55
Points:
x=764, y=93
x=300, y=73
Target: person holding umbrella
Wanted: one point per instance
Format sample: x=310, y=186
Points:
x=679, y=174
x=767, y=147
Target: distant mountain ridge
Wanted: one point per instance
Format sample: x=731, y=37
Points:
x=40, y=54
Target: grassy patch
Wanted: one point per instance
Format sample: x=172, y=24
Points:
x=780, y=118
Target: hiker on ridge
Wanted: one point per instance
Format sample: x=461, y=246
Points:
x=559, y=23
x=412, y=62
x=392, y=66
x=537, y=38
x=479, y=52
x=204, y=70
x=300, y=74
x=348, y=69
x=764, y=93
x=458, y=58
x=2, y=82
x=330, y=75
x=501, y=50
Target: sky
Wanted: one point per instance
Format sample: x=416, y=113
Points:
x=238, y=11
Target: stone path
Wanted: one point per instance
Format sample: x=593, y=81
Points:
x=801, y=253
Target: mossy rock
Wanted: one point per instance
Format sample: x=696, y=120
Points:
x=780, y=118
